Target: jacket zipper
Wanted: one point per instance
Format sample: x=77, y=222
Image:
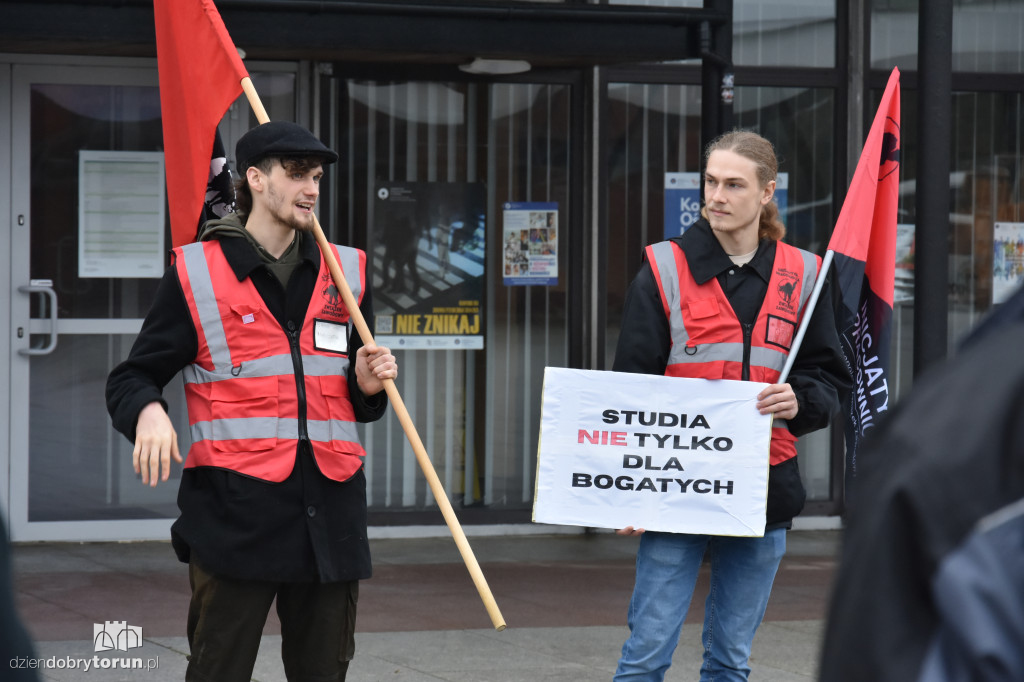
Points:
x=300, y=379
x=748, y=333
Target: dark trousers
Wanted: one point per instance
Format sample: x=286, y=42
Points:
x=226, y=619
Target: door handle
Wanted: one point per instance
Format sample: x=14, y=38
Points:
x=45, y=287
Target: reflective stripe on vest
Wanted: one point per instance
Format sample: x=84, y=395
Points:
x=243, y=428
x=723, y=357
x=243, y=402
x=312, y=365
x=667, y=260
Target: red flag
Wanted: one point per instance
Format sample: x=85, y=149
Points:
x=864, y=242
x=200, y=76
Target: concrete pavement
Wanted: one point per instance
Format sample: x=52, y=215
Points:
x=563, y=596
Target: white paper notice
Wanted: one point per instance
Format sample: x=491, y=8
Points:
x=659, y=453
x=121, y=214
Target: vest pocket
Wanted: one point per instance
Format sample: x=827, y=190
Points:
x=334, y=389
x=703, y=307
x=248, y=328
x=244, y=414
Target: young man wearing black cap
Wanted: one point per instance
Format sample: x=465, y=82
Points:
x=272, y=495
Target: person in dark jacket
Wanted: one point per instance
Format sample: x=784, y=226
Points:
x=17, y=655
x=930, y=585
x=738, y=280
x=272, y=495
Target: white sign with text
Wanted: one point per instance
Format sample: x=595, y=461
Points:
x=659, y=453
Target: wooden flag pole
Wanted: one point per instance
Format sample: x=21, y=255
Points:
x=396, y=402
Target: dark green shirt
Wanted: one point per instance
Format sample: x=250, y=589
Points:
x=232, y=226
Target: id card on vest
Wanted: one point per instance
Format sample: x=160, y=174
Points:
x=661, y=453
x=330, y=336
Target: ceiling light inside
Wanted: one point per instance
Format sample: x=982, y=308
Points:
x=495, y=67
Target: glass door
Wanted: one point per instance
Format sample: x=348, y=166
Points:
x=88, y=247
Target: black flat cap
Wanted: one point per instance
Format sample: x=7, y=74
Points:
x=279, y=138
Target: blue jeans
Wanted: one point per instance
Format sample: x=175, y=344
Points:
x=667, y=564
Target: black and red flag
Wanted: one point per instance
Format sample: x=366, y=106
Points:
x=220, y=193
x=200, y=76
x=864, y=246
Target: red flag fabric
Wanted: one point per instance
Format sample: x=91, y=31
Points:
x=866, y=229
x=200, y=76
x=864, y=246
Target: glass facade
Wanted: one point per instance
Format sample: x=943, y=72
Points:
x=986, y=223
x=591, y=150
x=786, y=33
x=987, y=209
x=477, y=407
x=988, y=35
x=792, y=33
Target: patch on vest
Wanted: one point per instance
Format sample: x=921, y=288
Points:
x=788, y=290
x=333, y=305
x=780, y=332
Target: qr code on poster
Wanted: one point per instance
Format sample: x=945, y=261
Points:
x=385, y=324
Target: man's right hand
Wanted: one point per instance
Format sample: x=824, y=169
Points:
x=155, y=444
x=629, y=531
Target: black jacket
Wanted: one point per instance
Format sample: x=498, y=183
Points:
x=911, y=579
x=819, y=374
x=16, y=649
x=305, y=528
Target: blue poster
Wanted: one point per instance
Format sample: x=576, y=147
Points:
x=682, y=200
x=530, y=254
x=782, y=196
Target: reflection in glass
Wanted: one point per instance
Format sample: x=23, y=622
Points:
x=66, y=119
x=653, y=129
x=789, y=33
x=799, y=122
x=80, y=469
x=986, y=189
x=987, y=184
x=988, y=35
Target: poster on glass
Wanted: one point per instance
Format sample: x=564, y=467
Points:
x=530, y=253
x=683, y=201
x=1008, y=260
x=427, y=256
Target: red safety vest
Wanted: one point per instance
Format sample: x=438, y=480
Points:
x=708, y=339
x=247, y=408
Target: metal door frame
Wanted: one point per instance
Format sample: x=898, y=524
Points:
x=20, y=79
x=6, y=230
